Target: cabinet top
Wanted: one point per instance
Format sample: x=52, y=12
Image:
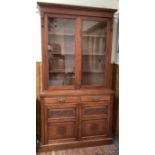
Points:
x=77, y=92
x=44, y=7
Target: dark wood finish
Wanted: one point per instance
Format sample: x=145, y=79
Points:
x=75, y=115
x=38, y=106
x=116, y=104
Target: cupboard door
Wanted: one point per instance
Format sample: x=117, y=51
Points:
x=61, y=52
x=60, y=122
x=94, y=127
x=59, y=130
x=93, y=52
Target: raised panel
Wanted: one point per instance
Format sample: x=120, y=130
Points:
x=94, y=127
x=57, y=131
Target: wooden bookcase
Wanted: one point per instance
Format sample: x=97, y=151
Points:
x=76, y=95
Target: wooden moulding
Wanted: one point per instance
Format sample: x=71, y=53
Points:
x=77, y=92
x=75, y=10
x=74, y=144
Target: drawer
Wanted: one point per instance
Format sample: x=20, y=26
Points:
x=61, y=130
x=68, y=112
x=95, y=111
x=94, y=127
x=95, y=98
x=62, y=99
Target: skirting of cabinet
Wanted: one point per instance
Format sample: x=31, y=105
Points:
x=83, y=143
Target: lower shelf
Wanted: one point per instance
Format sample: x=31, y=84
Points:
x=75, y=144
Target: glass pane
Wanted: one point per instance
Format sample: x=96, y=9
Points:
x=61, y=51
x=93, y=52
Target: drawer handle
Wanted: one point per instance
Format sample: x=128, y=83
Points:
x=61, y=100
x=95, y=99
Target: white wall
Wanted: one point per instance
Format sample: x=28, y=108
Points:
x=94, y=3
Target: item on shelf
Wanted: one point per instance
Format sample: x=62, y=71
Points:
x=49, y=47
x=69, y=64
x=69, y=79
x=61, y=63
x=56, y=48
x=56, y=82
x=99, y=64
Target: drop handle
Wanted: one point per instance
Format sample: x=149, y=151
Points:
x=61, y=100
x=95, y=99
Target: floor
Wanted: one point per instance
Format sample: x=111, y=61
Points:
x=98, y=150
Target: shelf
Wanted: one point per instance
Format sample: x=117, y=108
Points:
x=65, y=53
x=93, y=35
x=60, y=71
x=61, y=34
x=63, y=78
x=93, y=71
x=93, y=54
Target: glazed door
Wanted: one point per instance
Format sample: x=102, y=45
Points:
x=77, y=52
x=61, y=52
x=93, y=52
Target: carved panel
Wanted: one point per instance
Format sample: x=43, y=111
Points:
x=92, y=111
x=61, y=112
x=62, y=130
x=94, y=127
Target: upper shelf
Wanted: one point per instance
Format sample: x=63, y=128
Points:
x=61, y=71
x=96, y=53
x=94, y=35
x=63, y=53
x=61, y=34
x=93, y=71
x=72, y=35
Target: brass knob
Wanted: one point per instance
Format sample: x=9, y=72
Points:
x=95, y=99
x=61, y=100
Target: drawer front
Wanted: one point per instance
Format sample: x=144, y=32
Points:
x=94, y=127
x=94, y=111
x=61, y=100
x=95, y=98
x=69, y=112
x=65, y=130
